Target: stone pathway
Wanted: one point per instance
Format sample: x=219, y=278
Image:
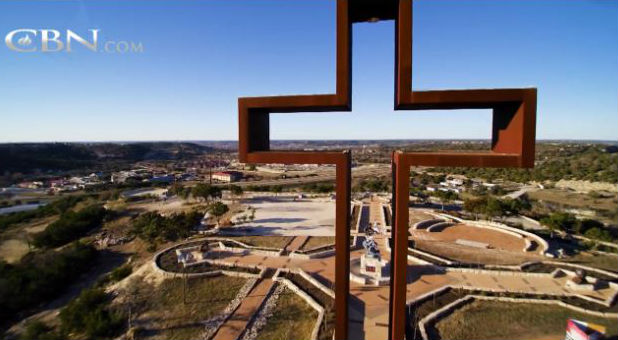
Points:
x=296, y=244
x=236, y=324
x=375, y=213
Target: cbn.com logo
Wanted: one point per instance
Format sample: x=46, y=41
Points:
x=50, y=40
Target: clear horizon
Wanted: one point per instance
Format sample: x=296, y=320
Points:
x=538, y=140
x=199, y=57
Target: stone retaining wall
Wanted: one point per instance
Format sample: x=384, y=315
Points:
x=579, y=266
x=253, y=250
x=437, y=227
x=434, y=257
x=304, y=256
x=426, y=223
x=499, y=272
x=316, y=283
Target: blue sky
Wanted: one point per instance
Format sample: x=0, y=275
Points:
x=200, y=56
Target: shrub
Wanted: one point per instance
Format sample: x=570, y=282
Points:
x=598, y=234
x=58, y=206
x=89, y=314
x=121, y=272
x=560, y=221
x=41, y=276
x=151, y=226
x=39, y=331
x=70, y=226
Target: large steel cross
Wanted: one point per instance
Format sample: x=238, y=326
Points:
x=513, y=138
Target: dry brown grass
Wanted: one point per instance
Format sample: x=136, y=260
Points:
x=502, y=320
x=164, y=312
x=417, y=216
x=574, y=199
x=14, y=241
x=292, y=318
x=263, y=241
x=607, y=262
x=318, y=241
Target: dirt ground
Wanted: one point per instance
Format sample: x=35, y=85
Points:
x=504, y=249
x=170, y=206
x=495, y=239
x=286, y=216
x=475, y=255
x=14, y=242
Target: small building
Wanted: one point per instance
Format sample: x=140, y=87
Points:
x=227, y=176
x=30, y=185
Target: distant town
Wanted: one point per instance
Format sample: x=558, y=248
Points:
x=178, y=240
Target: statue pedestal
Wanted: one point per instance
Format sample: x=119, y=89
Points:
x=369, y=270
x=374, y=267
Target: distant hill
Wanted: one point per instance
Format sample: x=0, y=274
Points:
x=65, y=156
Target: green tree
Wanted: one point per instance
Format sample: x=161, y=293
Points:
x=494, y=208
x=560, y=221
x=218, y=209
x=600, y=234
x=475, y=206
x=152, y=227
x=89, y=314
x=236, y=191
x=583, y=226
x=446, y=197
x=206, y=191
x=202, y=191
x=277, y=189
x=70, y=226
x=179, y=190
x=40, y=331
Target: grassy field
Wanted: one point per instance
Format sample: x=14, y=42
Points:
x=500, y=320
x=417, y=216
x=292, y=318
x=607, y=262
x=573, y=199
x=264, y=241
x=318, y=241
x=14, y=242
x=165, y=313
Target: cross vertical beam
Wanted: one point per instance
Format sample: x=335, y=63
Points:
x=342, y=244
x=399, y=233
x=512, y=146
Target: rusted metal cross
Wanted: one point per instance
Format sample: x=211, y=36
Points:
x=513, y=138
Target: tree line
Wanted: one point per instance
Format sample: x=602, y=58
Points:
x=55, y=207
x=41, y=276
x=70, y=226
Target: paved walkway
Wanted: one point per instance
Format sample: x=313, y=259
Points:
x=236, y=324
x=369, y=307
x=369, y=304
x=375, y=213
x=296, y=244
